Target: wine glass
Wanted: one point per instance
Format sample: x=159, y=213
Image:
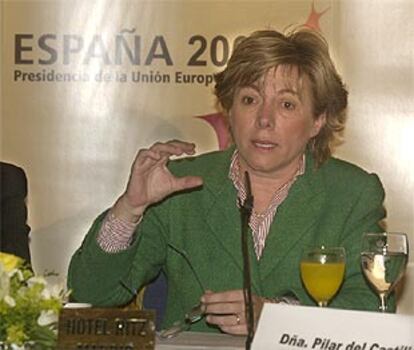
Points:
x=322, y=271
x=384, y=257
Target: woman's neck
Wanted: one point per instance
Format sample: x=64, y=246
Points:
x=265, y=187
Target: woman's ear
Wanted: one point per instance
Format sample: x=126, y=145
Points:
x=318, y=124
x=228, y=116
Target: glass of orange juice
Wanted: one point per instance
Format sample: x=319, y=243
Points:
x=322, y=270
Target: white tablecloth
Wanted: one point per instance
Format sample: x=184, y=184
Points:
x=198, y=341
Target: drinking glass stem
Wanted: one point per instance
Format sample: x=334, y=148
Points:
x=323, y=303
x=383, y=298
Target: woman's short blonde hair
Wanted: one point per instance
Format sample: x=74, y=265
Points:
x=308, y=51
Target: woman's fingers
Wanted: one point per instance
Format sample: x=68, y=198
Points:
x=221, y=297
x=227, y=310
x=186, y=182
x=227, y=302
x=234, y=323
x=173, y=147
x=159, y=154
x=145, y=158
x=224, y=308
x=230, y=320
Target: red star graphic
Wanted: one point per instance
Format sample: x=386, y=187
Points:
x=313, y=18
x=219, y=123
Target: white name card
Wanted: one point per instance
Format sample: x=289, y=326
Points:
x=313, y=328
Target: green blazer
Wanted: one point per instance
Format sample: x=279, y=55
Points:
x=332, y=205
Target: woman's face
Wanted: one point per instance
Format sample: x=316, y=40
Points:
x=272, y=121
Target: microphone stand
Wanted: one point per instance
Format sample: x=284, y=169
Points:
x=246, y=211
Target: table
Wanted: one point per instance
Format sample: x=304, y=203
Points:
x=202, y=341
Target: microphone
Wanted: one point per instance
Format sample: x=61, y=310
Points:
x=184, y=254
x=246, y=211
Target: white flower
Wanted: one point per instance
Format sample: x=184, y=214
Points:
x=36, y=280
x=52, y=291
x=4, y=282
x=9, y=301
x=47, y=317
x=55, y=289
x=17, y=272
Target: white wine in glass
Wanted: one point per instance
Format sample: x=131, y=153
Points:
x=384, y=257
x=322, y=271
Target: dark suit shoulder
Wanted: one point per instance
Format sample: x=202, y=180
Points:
x=13, y=180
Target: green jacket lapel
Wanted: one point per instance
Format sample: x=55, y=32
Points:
x=223, y=216
x=297, y=214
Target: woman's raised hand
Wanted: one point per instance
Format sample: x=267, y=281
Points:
x=150, y=180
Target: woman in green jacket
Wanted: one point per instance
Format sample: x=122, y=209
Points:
x=285, y=105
